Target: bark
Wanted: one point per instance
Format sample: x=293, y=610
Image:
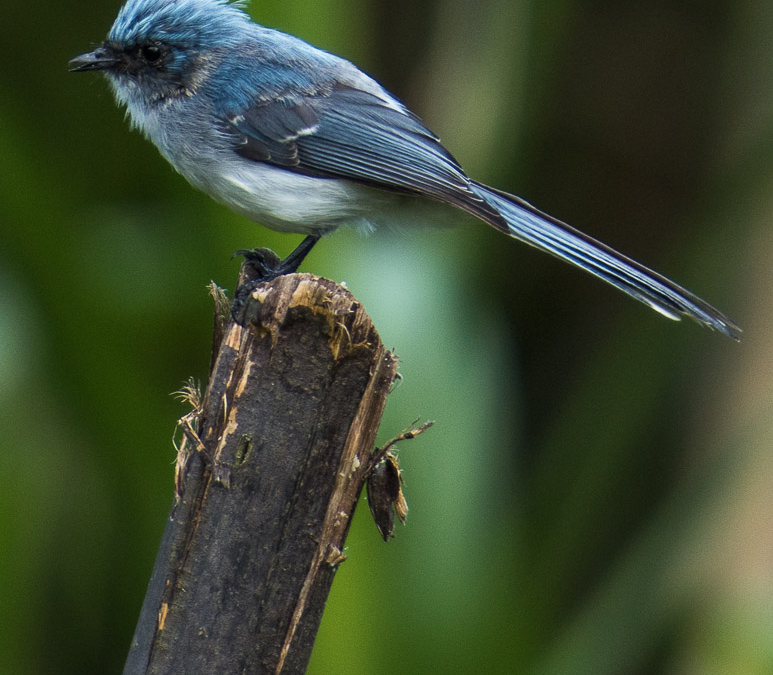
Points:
x=271, y=466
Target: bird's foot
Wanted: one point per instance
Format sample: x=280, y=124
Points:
x=262, y=264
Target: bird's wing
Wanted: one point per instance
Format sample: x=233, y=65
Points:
x=346, y=132
x=353, y=134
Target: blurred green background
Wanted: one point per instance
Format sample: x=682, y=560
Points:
x=597, y=494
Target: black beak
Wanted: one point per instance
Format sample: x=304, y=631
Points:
x=102, y=58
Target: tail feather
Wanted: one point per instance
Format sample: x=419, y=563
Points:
x=548, y=234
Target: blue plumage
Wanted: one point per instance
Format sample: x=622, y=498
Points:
x=302, y=141
x=188, y=24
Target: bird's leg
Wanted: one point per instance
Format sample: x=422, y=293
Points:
x=266, y=265
x=293, y=261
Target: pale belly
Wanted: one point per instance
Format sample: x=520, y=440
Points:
x=287, y=201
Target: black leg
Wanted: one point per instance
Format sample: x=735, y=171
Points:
x=293, y=261
x=266, y=265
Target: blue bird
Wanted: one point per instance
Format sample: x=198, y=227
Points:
x=303, y=141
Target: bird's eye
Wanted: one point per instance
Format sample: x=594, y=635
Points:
x=151, y=53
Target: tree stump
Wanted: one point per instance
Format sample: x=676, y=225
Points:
x=273, y=461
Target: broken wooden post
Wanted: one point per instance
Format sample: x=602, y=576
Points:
x=272, y=464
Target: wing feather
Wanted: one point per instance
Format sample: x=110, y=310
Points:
x=353, y=134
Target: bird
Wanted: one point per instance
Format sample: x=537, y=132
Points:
x=302, y=141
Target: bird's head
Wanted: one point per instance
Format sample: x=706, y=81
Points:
x=160, y=49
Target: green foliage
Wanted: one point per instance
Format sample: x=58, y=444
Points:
x=595, y=494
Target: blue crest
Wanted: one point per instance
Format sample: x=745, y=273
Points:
x=193, y=23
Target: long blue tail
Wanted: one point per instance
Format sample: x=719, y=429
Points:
x=544, y=232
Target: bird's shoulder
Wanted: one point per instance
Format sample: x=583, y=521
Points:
x=271, y=66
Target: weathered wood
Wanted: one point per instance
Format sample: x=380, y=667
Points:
x=272, y=466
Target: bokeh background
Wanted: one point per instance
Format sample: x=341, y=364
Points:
x=597, y=494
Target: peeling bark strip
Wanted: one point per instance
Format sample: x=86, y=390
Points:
x=288, y=425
